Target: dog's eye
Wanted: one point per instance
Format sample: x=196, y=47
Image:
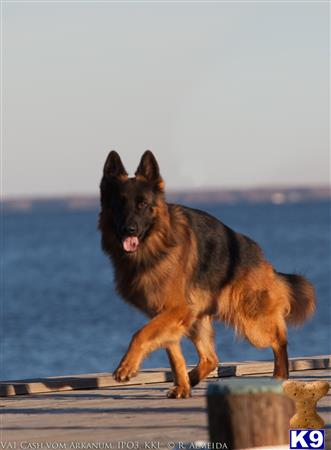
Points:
x=141, y=205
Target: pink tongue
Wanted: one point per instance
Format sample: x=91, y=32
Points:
x=130, y=244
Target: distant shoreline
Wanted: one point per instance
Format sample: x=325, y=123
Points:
x=275, y=195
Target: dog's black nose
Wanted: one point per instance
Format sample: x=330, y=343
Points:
x=131, y=230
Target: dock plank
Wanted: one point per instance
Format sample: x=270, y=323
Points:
x=119, y=414
x=101, y=380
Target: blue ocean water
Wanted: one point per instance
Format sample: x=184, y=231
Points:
x=61, y=315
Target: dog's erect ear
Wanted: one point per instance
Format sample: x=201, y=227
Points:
x=113, y=166
x=149, y=169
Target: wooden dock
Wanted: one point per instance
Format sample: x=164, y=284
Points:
x=93, y=411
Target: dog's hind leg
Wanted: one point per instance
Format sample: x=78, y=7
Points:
x=181, y=380
x=202, y=336
x=279, y=348
x=269, y=331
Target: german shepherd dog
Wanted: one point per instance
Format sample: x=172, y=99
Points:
x=183, y=268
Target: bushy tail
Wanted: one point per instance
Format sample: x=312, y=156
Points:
x=302, y=298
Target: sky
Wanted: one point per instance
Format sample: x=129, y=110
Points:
x=226, y=94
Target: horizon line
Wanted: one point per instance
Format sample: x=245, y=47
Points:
x=172, y=191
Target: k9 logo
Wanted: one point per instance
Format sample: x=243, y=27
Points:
x=310, y=439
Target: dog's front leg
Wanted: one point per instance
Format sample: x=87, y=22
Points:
x=181, y=388
x=166, y=328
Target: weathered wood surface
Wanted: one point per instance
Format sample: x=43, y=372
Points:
x=100, y=380
x=118, y=414
x=247, y=412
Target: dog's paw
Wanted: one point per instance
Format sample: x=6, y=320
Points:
x=179, y=392
x=125, y=372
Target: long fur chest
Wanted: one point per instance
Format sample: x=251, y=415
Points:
x=147, y=288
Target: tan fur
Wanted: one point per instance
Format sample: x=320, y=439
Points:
x=256, y=304
x=202, y=336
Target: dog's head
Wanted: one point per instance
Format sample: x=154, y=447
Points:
x=129, y=204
